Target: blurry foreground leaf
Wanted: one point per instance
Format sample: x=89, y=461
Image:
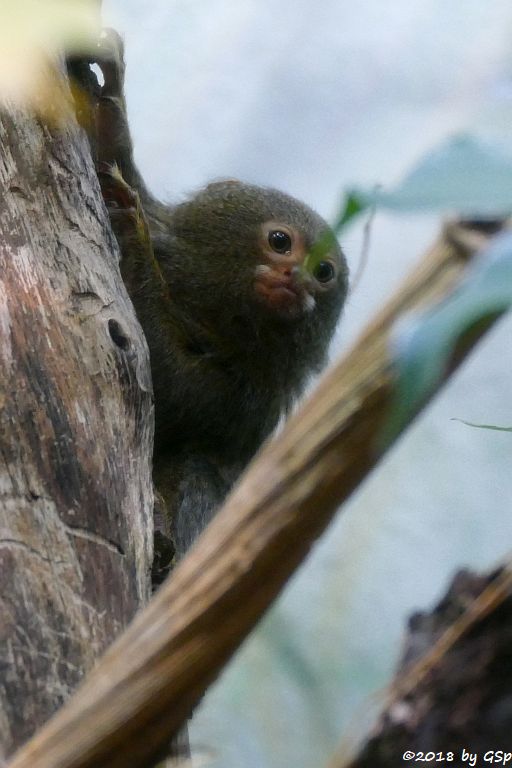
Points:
x=288, y=656
x=352, y=205
x=32, y=34
x=464, y=174
x=426, y=347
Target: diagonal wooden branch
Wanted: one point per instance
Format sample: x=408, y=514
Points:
x=151, y=678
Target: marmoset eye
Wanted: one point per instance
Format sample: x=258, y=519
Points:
x=324, y=272
x=280, y=241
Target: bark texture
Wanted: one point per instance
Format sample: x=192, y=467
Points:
x=75, y=426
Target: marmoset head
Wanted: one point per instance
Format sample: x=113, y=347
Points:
x=251, y=256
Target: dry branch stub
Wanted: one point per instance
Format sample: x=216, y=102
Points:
x=149, y=681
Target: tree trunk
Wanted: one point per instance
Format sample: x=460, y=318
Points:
x=76, y=426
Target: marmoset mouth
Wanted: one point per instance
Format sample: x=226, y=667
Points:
x=283, y=292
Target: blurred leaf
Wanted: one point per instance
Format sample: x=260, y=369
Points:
x=32, y=34
x=290, y=659
x=352, y=205
x=425, y=346
x=464, y=174
x=484, y=426
x=289, y=656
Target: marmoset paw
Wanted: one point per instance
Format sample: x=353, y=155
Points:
x=123, y=204
x=110, y=60
x=116, y=192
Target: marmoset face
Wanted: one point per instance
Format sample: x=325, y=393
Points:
x=257, y=253
x=290, y=280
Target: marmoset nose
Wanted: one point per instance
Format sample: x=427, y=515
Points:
x=294, y=272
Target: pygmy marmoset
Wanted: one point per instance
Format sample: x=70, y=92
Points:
x=238, y=291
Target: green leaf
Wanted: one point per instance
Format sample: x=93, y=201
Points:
x=352, y=205
x=464, y=174
x=424, y=347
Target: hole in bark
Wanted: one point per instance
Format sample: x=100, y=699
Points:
x=117, y=334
